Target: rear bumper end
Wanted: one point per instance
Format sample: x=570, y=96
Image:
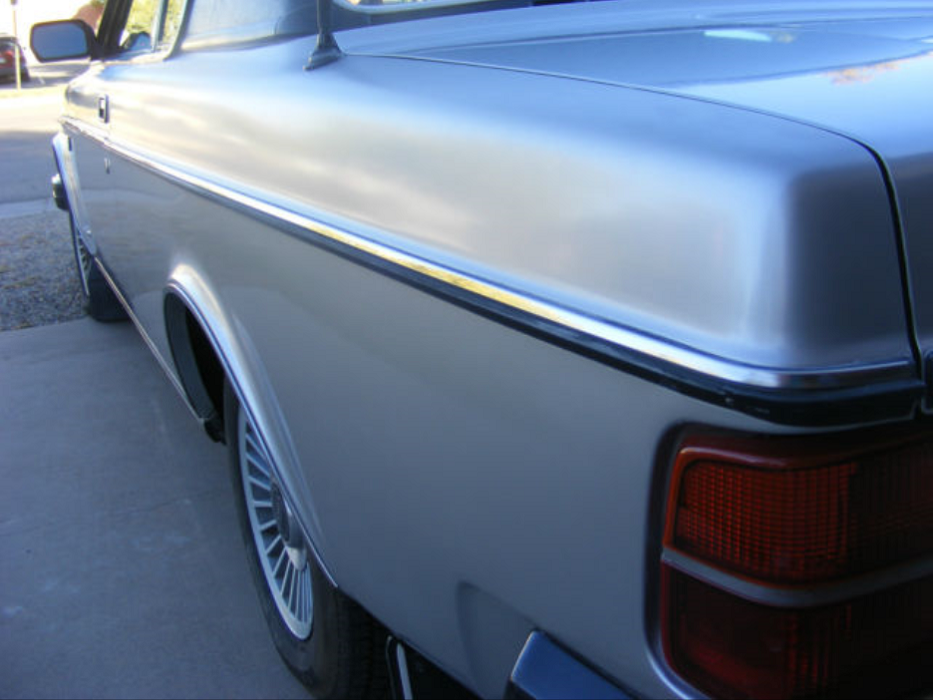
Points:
x=58, y=192
x=545, y=670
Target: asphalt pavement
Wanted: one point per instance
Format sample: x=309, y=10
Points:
x=122, y=571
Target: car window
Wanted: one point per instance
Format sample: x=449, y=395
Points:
x=140, y=27
x=90, y=13
x=171, y=24
x=243, y=18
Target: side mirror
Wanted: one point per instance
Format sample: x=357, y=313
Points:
x=57, y=41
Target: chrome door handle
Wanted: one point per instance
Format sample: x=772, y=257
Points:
x=103, y=109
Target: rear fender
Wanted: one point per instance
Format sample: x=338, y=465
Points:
x=187, y=290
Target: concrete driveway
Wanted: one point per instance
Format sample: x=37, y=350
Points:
x=122, y=572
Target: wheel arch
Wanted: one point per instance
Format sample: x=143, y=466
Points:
x=203, y=349
x=199, y=368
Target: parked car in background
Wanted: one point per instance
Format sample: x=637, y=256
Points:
x=9, y=47
x=561, y=349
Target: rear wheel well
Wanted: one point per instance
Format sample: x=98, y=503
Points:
x=199, y=367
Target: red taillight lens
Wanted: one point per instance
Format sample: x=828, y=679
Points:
x=877, y=645
x=803, y=518
x=804, y=528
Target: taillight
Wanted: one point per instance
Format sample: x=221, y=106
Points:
x=800, y=567
x=6, y=57
x=876, y=645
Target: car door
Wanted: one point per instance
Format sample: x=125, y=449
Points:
x=105, y=107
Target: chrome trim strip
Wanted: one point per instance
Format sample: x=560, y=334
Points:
x=801, y=597
x=576, y=323
x=91, y=131
x=146, y=338
x=403, y=671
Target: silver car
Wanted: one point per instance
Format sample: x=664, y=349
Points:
x=574, y=349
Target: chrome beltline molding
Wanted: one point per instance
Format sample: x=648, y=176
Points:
x=578, y=325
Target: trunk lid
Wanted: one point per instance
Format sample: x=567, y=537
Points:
x=860, y=70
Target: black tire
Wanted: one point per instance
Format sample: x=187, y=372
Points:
x=100, y=302
x=343, y=656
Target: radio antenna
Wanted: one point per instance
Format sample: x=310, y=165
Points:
x=326, y=50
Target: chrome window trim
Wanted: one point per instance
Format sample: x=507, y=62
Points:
x=599, y=336
x=402, y=8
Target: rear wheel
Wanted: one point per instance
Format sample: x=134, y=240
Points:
x=100, y=302
x=328, y=641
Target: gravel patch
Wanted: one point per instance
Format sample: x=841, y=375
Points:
x=38, y=280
